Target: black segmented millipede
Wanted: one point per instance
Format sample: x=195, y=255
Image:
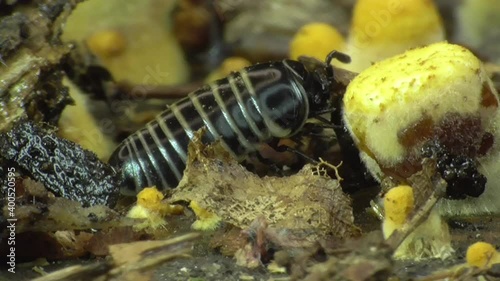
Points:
x=254, y=105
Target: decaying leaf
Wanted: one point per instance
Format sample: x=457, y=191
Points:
x=304, y=202
x=367, y=258
x=370, y=257
x=130, y=261
x=98, y=245
x=39, y=210
x=72, y=243
x=57, y=228
x=263, y=241
x=228, y=240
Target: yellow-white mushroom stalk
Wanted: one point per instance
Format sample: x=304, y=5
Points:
x=439, y=93
x=381, y=29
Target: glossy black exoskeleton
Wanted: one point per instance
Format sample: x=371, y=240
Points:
x=257, y=104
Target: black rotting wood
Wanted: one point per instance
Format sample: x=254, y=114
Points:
x=62, y=166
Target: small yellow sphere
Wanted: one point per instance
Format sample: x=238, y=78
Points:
x=232, y=64
x=482, y=255
x=229, y=65
x=398, y=204
x=107, y=43
x=316, y=40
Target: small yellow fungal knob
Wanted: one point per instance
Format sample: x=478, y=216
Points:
x=232, y=64
x=315, y=40
x=482, y=255
x=229, y=65
x=149, y=196
x=431, y=239
x=381, y=29
x=398, y=204
x=206, y=220
x=107, y=43
x=151, y=208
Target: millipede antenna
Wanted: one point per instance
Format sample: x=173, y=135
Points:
x=337, y=55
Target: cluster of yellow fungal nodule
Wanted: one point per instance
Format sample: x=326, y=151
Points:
x=379, y=29
x=152, y=209
x=205, y=220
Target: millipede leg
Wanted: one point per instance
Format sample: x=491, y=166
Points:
x=284, y=148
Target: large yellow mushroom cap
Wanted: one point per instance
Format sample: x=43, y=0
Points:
x=381, y=29
x=316, y=40
x=395, y=20
x=482, y=255
x=394, y=105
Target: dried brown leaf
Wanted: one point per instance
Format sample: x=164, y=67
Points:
x=228, y=241
x=72, y=244
x=131, y=261
x=302, y=202
x=367, y=258
x=131, y=253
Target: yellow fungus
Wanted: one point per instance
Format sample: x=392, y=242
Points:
x=232, y=64
x=381, y=29
x=482, y=255
x=229, y=65
x=206, y=220
x=149, y=196
x=151, y=208
x=431, y=239
x=398, y=105
x=107, y=43
x=79, y=125
x=316, y=40
x=398, y=204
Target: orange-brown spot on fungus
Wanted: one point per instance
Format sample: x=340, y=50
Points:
x=417, y=132
x=486, y=144
x=461, y=135
x=487, y=97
